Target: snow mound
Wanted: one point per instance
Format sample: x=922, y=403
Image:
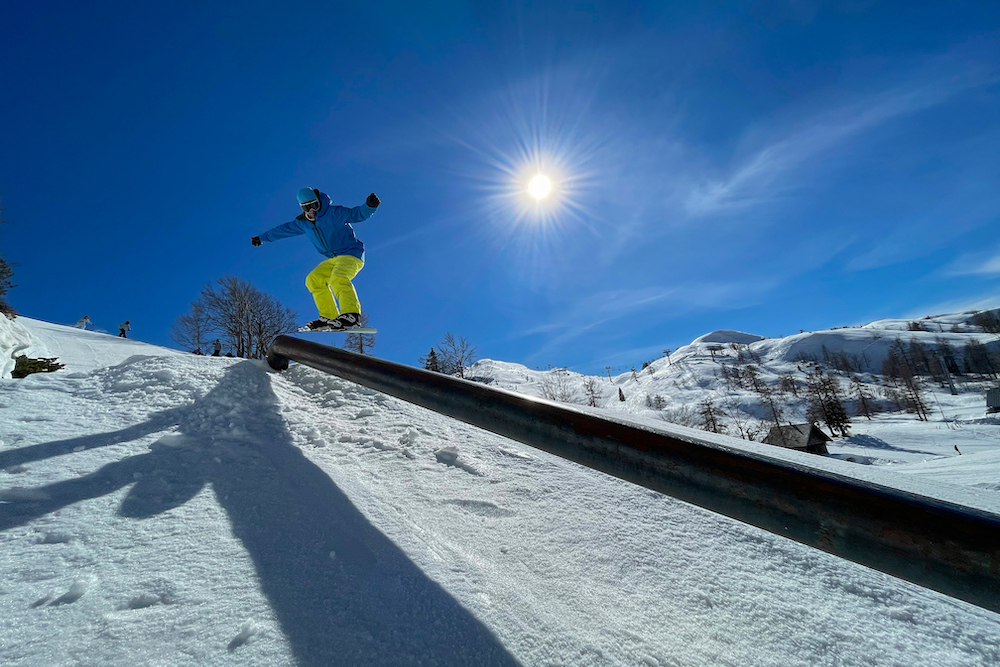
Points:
x=727, y=336
x=14, y=341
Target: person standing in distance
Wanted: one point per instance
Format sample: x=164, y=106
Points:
x=123, y=327
x=329, y=228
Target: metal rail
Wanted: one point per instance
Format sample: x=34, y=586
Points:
x=933, y=543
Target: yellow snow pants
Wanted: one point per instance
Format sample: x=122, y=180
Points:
x=332, y=278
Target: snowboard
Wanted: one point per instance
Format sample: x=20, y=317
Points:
x=360, y=330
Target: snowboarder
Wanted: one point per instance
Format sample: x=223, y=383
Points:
x=328, y=226
x=122, y=328
x=217, y=347
x=83, y=322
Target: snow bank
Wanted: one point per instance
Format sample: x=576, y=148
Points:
x=14, y=340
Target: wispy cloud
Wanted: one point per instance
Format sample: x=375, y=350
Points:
x=770, y=171
x=601, y=309
x=977, y=264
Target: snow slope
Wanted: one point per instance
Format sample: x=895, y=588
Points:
x=169, y=509
x=691, y=375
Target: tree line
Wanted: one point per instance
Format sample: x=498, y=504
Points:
x=236, y=312
x=452, y=356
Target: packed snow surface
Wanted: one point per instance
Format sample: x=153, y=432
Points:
x=170, y=509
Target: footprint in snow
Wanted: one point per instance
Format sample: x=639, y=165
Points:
x=75, y=592
x=153, y=592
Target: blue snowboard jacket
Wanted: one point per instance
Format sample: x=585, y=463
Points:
x=332, y=233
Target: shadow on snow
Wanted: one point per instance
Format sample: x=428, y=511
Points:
x=367, y=605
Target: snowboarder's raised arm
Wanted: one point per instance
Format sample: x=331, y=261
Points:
x=362, y=212
x=293, y=228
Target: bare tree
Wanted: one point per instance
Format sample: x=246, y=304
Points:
x=897, y=368
x=681, y=415
x=248, y=318
x=710, y=417
x=865, y=405
x=989, y=321
x=555, y=386
x=455, y=355
x=788, y=385
x=826, y=403
x=191, y=329
x=768, y=397
x=978, y=359
x=751, y=375
x=747, y=427
x=592, y=390
x=269, y=318
x=360, y=342
x=6, y=273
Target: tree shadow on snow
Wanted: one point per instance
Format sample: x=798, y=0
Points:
x=342, y=591
x=876, y=443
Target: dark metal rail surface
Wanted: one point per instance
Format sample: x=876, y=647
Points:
x=937, y=544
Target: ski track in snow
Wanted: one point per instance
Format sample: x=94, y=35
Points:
x=179, y=510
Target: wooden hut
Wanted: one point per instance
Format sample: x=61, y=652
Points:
x=803, y=437
x=993, y=401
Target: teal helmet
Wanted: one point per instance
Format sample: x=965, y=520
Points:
x=306, y=194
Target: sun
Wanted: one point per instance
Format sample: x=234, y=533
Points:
x=540, y=187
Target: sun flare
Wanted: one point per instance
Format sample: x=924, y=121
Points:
x=540, y=187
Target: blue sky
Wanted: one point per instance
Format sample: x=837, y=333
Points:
x=767, y=167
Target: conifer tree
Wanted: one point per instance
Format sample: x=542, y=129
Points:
x=360, y=342
x=430, y=362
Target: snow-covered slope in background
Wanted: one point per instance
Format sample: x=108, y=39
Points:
x=169, y=509
x=691, y=375
x=81, y=351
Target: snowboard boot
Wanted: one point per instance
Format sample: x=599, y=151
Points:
x=323, y=324
x=348, y=321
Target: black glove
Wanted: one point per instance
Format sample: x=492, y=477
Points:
x=256, y=241
x=373, y=200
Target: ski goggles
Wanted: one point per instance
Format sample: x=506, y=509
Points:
x=310, y=205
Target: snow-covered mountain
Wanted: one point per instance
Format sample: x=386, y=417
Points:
x=169, y=509
x=672, y=388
